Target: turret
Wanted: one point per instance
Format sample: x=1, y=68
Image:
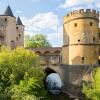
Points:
x=20, y=33
x=81, y=28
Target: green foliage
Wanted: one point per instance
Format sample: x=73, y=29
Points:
x=93, y=92
x=20, y=75
x=38, y=40
x=30, y=88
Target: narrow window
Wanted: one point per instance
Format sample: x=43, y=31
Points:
x=82, y=59
x=78, y=40
x=93, y=39
x=6, y=19
x=17, y=28
x=75, y=24
x=91, y=23
x=19, y=35
x=12, y=45
x=99, y=35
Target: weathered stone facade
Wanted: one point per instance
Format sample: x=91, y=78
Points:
x=11, y=31
x=81, y=37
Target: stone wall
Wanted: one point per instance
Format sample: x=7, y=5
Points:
x=72, y=76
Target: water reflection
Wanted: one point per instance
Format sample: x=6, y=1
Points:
x=54, y=83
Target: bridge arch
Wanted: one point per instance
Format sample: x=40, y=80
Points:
x=47, y=53
x=52, y=81
x=38, y=52
x=57, y=52
x=49, y=71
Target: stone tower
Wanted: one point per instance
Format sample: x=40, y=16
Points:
x=7, y=28
x=81, y=37
x=20, y=33
x=11, y=32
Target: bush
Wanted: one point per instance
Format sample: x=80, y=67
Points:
x=93, y=93
x=20, y=75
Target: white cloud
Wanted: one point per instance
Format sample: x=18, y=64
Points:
x=72, y=3
x=47, y=23
x=97, y=4
x=18, y=11
x=74, y=8
x=57, y=37
x=42, y=21
x=35, y=1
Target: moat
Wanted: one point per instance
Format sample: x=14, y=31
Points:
x=61, y=96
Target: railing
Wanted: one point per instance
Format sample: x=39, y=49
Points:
x=50, y=59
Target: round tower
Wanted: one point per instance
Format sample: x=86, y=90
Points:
x=82, y=28
x=7, y=28
x=19, y=33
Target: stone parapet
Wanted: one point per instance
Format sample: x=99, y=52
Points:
x=88, y=13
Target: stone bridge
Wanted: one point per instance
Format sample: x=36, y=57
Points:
x=49, y=55
x=72, y=76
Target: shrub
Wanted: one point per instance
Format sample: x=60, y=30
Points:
x=20, y=75
x=93, y=93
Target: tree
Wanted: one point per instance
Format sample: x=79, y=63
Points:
x=38, y=40
x=21, y=75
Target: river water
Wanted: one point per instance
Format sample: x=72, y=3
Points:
x=54, y=84
x=61, y=96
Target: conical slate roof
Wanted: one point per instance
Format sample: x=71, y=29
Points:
x=19, y=22
x=8, y=12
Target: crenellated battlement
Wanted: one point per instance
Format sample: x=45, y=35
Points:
x=82, y=13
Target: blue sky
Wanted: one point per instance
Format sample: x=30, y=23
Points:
x=46, y=16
